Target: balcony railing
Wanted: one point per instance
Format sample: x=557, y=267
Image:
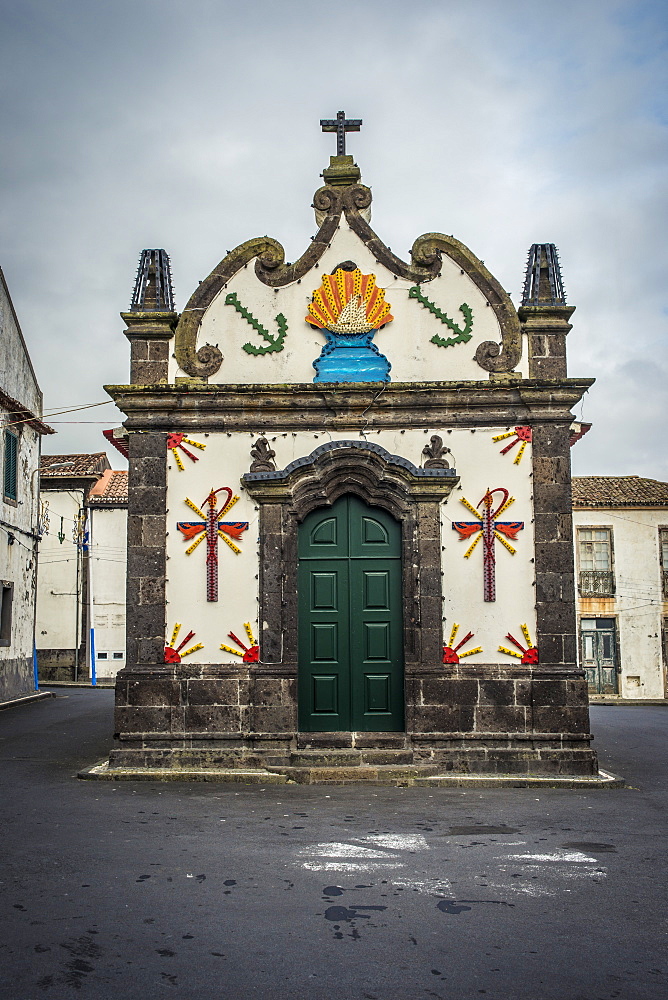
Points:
x=596, y=583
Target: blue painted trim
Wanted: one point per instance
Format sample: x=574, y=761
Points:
x=34, y=667
x=93, y=673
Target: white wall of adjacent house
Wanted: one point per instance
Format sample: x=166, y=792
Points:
x=226, y=457
x=18, y=572
x=58, y=606
x=637, y=608
x=108, y=528
x=18, y=513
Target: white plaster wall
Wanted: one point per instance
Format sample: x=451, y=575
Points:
x=405, y=341
x=480, y=465
x=637, y=604
x=17, y=377
x=17, y=565
x=17, y=561
x=108, y=555
x=57, y=578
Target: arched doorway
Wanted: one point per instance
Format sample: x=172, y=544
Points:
x=350, y=633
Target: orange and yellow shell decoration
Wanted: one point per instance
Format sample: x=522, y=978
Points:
x=349, y=302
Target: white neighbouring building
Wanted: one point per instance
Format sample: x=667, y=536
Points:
x=621, y=553
x=107, y=518
x=82, y=569
x=63, y=565
x=21, y=430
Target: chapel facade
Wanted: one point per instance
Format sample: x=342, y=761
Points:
x=349, y=524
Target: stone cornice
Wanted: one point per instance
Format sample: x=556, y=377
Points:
x=350, y=407
x=150, y=325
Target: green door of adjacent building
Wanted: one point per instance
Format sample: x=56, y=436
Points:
x=350, y=620
x=599, y=657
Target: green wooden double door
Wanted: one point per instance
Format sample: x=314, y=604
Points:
x=350, y=620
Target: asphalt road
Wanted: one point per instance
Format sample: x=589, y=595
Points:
x=209, y=892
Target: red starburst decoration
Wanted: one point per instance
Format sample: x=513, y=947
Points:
x=173, y=653
x=527, y=654
x=251, y=654
x=451, y=652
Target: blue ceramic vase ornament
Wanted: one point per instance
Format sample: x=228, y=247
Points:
x=349, y=308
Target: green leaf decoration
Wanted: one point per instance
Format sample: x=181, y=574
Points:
x=273, y=343
x=462, y=336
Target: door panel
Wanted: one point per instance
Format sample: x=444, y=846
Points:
x=373, y=532
x=324, y=643
x=599, y=657
x=378, y=692
x=376, y=591
x=324, y=596
x=325, y=694
x=377, y=641
x=325, y=533
x=349, y=583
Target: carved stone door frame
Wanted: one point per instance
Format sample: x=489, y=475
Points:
x=411, y=495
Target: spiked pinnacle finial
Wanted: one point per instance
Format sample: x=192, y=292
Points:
x=153, y=284
x=542, y=284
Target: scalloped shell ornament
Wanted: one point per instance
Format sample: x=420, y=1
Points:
x=349, y=302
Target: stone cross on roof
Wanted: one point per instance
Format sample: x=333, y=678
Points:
x=340, y=125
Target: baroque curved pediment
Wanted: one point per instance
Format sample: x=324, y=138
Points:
x=332, y=203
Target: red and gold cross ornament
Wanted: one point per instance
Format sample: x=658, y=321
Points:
x=212, y=528
x=490, y=530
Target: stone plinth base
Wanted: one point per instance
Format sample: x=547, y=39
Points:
x=483, y=719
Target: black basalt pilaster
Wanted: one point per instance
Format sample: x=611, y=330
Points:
x=559, y=701
x=146, y=577
x=555, y=594
x=150, y=335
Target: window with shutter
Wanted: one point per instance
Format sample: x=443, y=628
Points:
x=11, y=466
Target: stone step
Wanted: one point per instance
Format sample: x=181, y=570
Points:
x=325, y=758
x=382, y=774
x=240, y=775
x=348, y=758
x=351, y=741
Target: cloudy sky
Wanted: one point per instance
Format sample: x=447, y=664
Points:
x=193, y=125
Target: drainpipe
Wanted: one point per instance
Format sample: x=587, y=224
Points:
x=91, y=620
x=35, y=475
x=77, y=614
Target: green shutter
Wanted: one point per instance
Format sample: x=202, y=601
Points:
x=11, y=465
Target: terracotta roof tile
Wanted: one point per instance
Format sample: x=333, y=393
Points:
x=71, y=466
x=618, y=491
x=111, y=488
